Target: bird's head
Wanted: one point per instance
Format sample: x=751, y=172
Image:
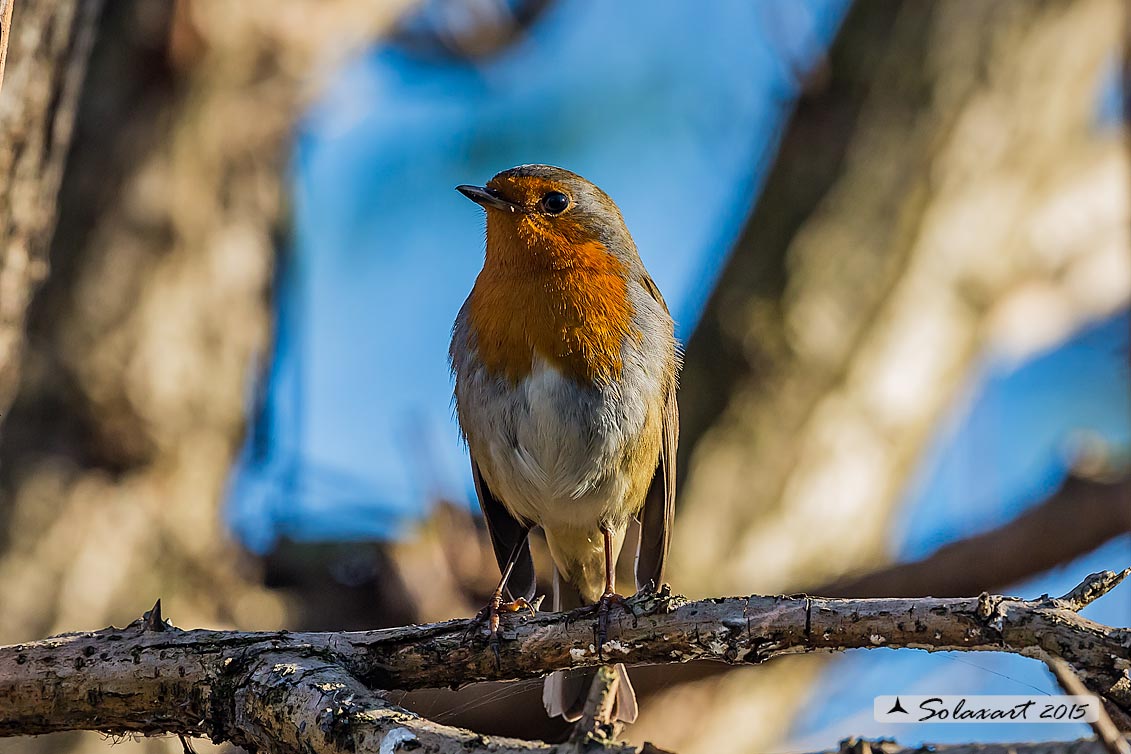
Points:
x=547, y=216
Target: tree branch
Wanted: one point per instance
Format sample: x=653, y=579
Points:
x=1079, y=517
x=297, y=703
x=310, y=690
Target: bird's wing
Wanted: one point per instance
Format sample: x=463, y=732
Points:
x=508, y=537
x=659, y=504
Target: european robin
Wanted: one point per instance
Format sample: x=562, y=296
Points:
x=565, y=364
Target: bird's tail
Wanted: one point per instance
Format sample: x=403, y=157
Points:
x=565, y=691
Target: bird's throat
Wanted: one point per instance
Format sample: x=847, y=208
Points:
x=564, y=302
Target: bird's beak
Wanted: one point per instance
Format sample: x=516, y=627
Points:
x=487, y=198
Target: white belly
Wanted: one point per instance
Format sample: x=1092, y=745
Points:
x=555, y=464
x=552, y=448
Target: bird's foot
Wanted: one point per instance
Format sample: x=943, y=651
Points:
x=603, y=606
x=489, y=617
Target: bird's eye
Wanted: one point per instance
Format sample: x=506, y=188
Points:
x=555, y=202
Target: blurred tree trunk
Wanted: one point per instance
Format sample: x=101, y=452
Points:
x=48, y=57
x=943, y=188
x=142, y=343
x=5, y=28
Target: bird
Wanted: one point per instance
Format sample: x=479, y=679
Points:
x=565, y=364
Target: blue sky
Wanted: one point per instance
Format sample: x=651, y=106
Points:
x=1010, y=437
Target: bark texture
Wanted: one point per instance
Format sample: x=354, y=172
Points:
x=255, y=688
x=44, y=59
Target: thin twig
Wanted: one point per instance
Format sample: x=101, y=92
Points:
x=597, y=721
x=1106, y=730
x=1092, y=588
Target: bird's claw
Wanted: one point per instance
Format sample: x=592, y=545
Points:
x=489, y=618
x=603, y=606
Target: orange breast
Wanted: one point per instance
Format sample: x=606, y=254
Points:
x=542, y=293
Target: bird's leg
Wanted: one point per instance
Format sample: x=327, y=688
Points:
x=610, y=596
x=489, y=615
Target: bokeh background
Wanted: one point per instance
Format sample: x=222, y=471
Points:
x=895, y=236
